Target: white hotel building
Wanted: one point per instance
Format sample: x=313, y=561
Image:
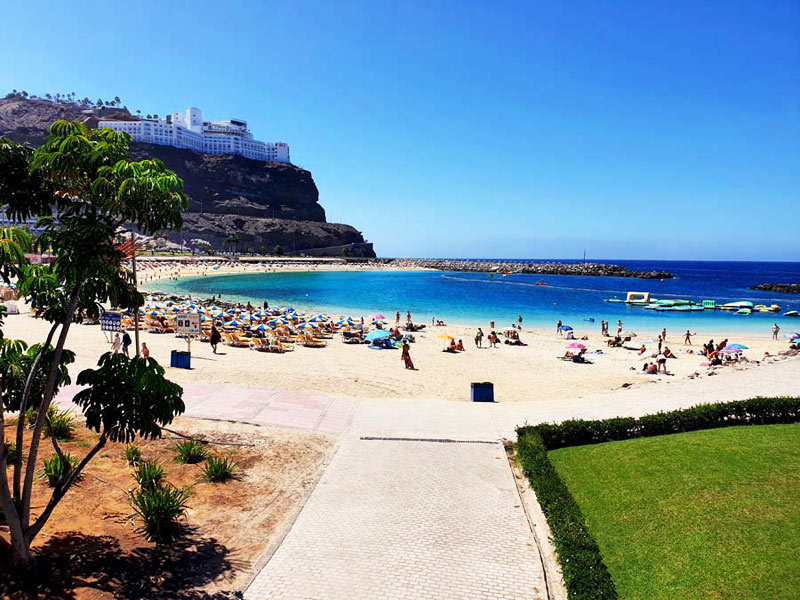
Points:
x=188, y=130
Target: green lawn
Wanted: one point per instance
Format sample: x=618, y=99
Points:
x=710, y=514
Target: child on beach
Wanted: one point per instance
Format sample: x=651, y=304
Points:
x=116, y=344
x=406, y=356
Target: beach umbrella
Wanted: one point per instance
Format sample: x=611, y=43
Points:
x=576, y=345
x=259, y=327
x=306, y=326
x=379, y=322
x=233, y=323
x=377, y=334
x=376, y=316
x=289, y=309
x=154, y=313
x=194, y=311
x=222, y=315
x=262, y=313
x=318, y=319
x=729, y=350
x=565, y=328
x=445, y=337
x=739, y=346
x=627, y=334
x=278, y=321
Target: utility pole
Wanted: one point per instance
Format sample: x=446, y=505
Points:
x=136, y=309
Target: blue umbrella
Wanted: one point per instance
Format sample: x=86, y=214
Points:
x=234, y=323
x=289, y=309
x=565, y=328
x=739, y=346
x=259, y=327
x=377, y=334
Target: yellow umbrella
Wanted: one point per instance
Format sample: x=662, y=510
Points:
x=445, y=337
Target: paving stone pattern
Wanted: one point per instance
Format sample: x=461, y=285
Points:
x=407, y=519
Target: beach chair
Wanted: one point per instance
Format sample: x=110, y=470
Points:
x=310, y=342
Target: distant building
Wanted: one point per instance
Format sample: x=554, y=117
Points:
x=188, y=130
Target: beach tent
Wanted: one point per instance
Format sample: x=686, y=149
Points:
x=377, y=334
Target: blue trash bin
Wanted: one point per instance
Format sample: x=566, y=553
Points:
x=180, y=359
x=482, y=392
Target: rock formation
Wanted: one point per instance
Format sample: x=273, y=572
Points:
x=264, y=205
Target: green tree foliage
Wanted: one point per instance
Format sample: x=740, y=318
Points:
x=82, y=187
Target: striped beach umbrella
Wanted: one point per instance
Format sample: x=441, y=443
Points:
x=233, y=324
x=260, y=327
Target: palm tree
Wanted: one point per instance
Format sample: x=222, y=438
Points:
x=232, y=240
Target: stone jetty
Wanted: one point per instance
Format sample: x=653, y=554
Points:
x=539, y=268
x=783, y=288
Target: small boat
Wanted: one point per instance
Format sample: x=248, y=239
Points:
x=615, y=300
x=744, y=311
x=774, y=308
x=791, y=313
x=541, y=282
x=736, y=305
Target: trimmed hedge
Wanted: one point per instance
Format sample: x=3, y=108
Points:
x=585, y=574
x=756, y=411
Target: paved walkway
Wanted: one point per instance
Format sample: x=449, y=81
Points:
x=408, y=519
x=272, y=408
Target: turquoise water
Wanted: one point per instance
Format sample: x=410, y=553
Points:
x=476, y=299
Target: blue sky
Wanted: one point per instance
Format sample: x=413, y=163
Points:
x=504, y=129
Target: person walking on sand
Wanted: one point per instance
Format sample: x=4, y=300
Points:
x=479, y=338
x=558, y=327
x=406, y=356
x=215, y=338
x=116, y=344
x=775, y=330
x=126, y=343
x=145, y=351
x=660, y=341
x=664, y=335
x=397, y=319
x=519, y=321
x=687, y=338
x=619, y=327
x=408, y=316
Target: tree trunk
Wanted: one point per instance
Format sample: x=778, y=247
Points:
x=30, y=466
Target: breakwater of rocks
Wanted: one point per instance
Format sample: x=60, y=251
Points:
x=539, y=268
x=783, y=288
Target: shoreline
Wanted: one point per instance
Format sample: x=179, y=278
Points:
x=171, y=275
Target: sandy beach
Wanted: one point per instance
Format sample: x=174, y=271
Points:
x=519, y=373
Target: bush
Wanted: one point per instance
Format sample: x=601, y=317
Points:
x=11, y=457
x=161, y=508
x=60, y=424
x=133, y=455
x=755, y=411
x=54, y=469
x=149, y=474
x=220, y=470
x=585, y=574
x=190, y=452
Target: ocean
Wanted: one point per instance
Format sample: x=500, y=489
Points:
x=476, y=299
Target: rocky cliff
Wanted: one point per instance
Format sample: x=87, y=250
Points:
x=264, y=205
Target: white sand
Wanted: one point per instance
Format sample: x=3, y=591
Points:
x=530, y=373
